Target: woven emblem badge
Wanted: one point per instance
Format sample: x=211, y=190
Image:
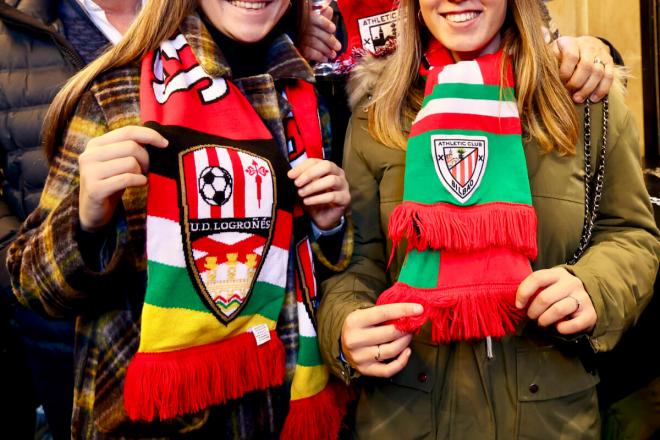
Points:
x=228, y=207
x=378, y=31
x=460, y=162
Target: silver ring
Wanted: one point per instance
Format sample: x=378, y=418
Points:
x=597, y=60
x=377, y=357
x=577, y=302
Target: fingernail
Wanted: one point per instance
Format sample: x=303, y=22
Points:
x=417, y=309
x=594, y=98
x=165, y=142
x=578, y=98
x=519, y=304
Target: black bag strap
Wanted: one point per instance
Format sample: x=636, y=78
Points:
x=593, y=185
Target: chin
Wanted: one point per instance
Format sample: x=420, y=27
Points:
x=246, y=36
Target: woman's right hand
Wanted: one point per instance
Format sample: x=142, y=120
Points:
x=111, y=163
x=319, y=43
x=373, y=347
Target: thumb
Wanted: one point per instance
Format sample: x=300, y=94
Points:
x=389, y=312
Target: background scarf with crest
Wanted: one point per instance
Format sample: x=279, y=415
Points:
x=467, y=212
x=220, y=226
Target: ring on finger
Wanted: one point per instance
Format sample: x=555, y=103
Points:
x=377, y=357
x=578, y=303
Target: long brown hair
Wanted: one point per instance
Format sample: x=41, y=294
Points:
x=158, y=21
x=547, y=112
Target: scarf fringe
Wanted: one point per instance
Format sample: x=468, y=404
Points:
x=169, y=384
x=458, y=314
x=444, y=226
x=318, y=417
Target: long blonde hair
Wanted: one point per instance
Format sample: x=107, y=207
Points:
x=547, y=112
x=158, y=21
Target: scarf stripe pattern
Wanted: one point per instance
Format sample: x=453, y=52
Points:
x=467, y=214
x=220, y=228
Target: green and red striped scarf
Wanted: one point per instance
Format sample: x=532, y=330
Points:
x=467, y=214
x=220, y=228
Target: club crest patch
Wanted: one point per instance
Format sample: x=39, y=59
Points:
x=378, y=31
x=460, y=162
x=228, y=200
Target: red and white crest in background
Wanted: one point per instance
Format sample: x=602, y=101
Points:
x=460, y=162
x=226, y=234
x=378, y=31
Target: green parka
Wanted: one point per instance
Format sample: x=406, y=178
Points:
x=529, y=388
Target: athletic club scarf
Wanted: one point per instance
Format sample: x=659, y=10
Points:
x=370, y=29
x=467, y=213
x=221, y=213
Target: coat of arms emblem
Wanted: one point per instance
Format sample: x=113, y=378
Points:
x=378, y=31
x=460, y=162
x=225, y=237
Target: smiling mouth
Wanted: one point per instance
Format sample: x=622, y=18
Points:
x=461, y=17
x=254, y=6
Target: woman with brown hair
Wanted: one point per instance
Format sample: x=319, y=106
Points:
x=511, y=239
x=192, y=151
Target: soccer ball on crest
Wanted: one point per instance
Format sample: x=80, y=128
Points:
x=215, y=185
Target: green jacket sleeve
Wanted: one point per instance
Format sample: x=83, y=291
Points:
x=359, y=285
x=619, y=266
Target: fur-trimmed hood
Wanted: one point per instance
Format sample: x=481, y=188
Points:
x=363, y=78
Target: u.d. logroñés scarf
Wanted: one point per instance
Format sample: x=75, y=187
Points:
x=220, y=227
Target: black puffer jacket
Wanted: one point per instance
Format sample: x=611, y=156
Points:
x=35, y=61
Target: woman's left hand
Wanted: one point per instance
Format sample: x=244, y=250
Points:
x=585, y=66
x=561, y=300
x=323, y=188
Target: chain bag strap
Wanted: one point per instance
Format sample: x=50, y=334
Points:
x=593, y=195
x=579, y=345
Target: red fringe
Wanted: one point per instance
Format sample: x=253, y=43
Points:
x=465, y=228
x=317, y=417
x=167, y=385
x=459, y=313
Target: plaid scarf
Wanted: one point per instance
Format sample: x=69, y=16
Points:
x=221, y=216
x=467, y=213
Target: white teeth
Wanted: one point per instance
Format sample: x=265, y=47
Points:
x=462, y=17
x=248, y=5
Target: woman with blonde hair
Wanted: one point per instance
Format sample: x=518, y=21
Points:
x=511, y=239
x=192, y=151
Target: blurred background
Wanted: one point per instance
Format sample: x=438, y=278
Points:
x=632, y=27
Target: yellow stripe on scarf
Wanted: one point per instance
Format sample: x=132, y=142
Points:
x=308, y=381
x=193, y=328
